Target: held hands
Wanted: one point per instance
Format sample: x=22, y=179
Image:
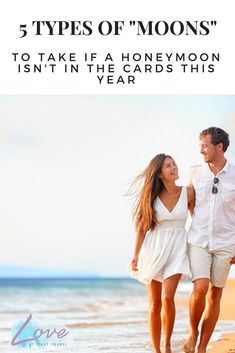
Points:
x=232, y=262
x=133, y=264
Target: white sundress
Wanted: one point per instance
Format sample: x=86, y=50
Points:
x=164, y=250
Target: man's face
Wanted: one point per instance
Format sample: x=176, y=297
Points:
x=208, y=150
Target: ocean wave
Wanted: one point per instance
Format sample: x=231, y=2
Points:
x=104, y=323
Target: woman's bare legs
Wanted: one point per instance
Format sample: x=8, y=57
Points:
x=155, y=303
x=169, y=287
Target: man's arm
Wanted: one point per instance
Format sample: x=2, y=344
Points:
x=191, y=199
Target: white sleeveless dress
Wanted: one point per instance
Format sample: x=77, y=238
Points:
x=164, y=250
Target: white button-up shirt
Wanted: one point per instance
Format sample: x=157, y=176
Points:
x=213, y=222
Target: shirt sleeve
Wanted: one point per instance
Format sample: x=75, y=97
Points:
x=190, y=177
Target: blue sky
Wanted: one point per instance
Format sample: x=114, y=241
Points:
x=67, y=161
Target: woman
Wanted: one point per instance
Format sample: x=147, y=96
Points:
x=160, y=253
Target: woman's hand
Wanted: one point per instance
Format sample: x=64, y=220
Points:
x=133, y=264
x=232, y=262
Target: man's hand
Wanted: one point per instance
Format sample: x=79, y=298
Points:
x=232, y=262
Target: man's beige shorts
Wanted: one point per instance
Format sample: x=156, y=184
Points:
x=214, y=265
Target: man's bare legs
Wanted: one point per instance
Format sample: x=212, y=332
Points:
x=210, y=317
x=155, y=304
x=197, y=305
x=168, y=318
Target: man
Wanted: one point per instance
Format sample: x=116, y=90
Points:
x=211, y=236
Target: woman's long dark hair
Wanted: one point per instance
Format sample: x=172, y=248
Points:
x=150, y=187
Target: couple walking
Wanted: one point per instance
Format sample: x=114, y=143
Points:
x=164, y=253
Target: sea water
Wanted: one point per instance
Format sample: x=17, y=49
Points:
x=99, y=315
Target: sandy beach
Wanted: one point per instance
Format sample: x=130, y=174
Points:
x=227, y=342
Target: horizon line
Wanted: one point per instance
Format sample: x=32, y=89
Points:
x=63, y=277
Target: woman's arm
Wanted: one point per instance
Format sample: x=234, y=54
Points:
x=191, y=199
x=140, y=235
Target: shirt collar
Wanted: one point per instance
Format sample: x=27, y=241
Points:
x=224, y=169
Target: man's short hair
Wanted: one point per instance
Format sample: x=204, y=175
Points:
x=218, y=135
